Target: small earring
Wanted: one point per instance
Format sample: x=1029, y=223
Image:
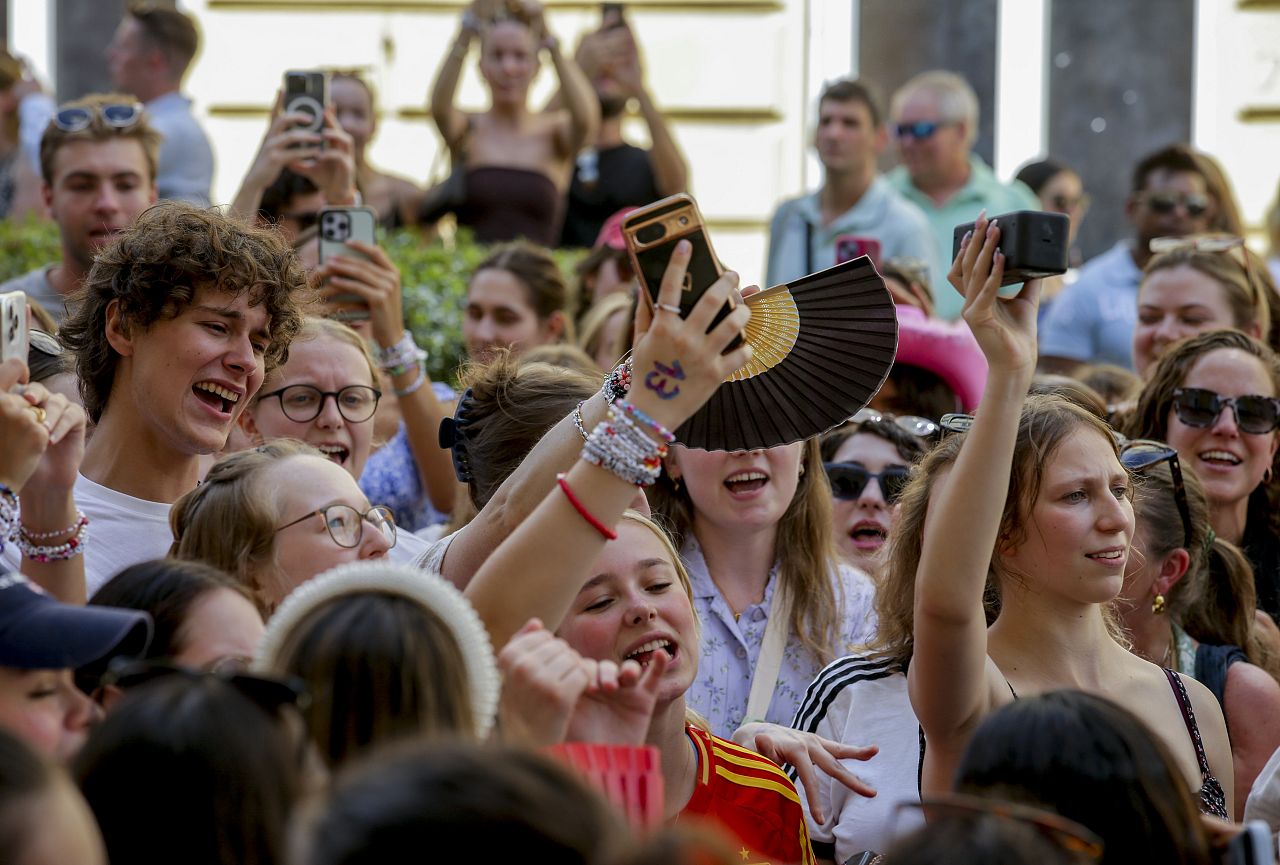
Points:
x=1158, y=605
x=675, y=484
x=1266, y=478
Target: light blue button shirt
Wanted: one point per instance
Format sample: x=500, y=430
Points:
x=1092, y=320
x=185, y=171
x=730, y=648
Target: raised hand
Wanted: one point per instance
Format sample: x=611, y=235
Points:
x=810, y=754
x=1004, y=327
x=333, y=168
x=23, y=432
x=542, y=681
x=617, y=706
x=65, y=421
x=375, y=281
x=677, y=364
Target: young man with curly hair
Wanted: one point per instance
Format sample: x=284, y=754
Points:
x=179, y=321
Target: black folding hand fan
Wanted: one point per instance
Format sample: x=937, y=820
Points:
x=823, y=345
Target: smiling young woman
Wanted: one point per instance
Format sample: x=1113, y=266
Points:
x=1213, y=399
x=1038, y=501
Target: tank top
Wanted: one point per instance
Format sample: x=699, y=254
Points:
x=504, y=204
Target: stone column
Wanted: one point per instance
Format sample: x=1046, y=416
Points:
x=901, y=38
x=84, y=30
x=1120, y=86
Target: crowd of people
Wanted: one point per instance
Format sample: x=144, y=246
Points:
x=269, y=594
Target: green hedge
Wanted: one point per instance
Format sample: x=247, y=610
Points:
x=434, y=276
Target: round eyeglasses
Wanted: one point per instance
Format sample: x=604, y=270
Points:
x=345, y=524
x=304, y=402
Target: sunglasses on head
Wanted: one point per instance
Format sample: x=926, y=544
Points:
x=270, y=695
x=920, y=130
x=848, y=480
x=1137, y=455
x=1198, y=407
x=920, y=427
x=78, y=118
x=1167, y=202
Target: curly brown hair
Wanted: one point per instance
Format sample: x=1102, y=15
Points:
x=152, y=272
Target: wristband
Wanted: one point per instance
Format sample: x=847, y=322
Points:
x=607, y=533
x=413, y=386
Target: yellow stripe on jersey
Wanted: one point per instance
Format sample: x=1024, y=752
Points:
x=751, y=760
x=760, y=783
x=805, y=847
x=704, y=758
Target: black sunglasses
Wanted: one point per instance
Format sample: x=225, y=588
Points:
x=1199, y=407
x=1139, y=454
x=1166, y=202
x=270, y=695
x=848, y=480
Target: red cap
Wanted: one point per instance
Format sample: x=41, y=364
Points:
x=611, y=232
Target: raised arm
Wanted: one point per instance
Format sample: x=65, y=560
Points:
x=950, y=674
x=539, y=569
x=575, y=94
x=448, y=118
x=670, y=171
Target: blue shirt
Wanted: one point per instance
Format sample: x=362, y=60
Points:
x=185, y=169
x=881, y=214
x=1092, y=320
x=731, y=647
x=981, y=190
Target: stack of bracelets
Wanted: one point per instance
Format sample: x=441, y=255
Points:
x=29, y=543
x=631, y=445
x=396, y=360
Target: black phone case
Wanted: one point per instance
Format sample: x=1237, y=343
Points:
x=651, y=263
x=1034, y=244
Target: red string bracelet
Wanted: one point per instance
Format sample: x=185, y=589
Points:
x=606, y=532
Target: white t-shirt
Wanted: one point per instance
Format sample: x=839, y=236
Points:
x=863, y=701
x=123, y=531
x=408, y=549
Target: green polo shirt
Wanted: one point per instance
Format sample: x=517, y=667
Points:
x=981, y=190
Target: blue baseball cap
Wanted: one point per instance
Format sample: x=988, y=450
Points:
x=40, y=633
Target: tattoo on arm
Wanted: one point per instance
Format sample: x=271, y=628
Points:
x=661, y=379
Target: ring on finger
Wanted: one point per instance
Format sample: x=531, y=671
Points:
x=668, y=307
x=39, y=413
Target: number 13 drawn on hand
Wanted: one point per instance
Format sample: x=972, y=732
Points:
x=660, y=379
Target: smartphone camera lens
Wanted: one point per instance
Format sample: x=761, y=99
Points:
x=650, y=233
x=684, y=220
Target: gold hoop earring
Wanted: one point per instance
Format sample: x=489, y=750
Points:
x=1158, y=605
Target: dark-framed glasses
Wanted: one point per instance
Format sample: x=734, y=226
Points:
x=1200, y=407
x=267, y=693
x=1166, y=202
x=78, y=118
x=345, y=524
x=304, y=402
x=848, y=480
x=920, y=427
x=1066, y=835
x=1139, y=454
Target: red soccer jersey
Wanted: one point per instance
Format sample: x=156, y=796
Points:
x=752, y=798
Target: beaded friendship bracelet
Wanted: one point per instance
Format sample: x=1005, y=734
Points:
x=8, y=514
x=81, y=520
x=57, y=552
x=619, y=446
x=578, y=421
x=617, y=384
x=403, y=356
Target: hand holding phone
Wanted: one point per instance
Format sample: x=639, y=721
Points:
x=13, y=326
x=1034, y=243
x=337, y=226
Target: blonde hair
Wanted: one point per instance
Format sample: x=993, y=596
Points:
x=808, y=561
x=957, y=103
x=317, y=328
x=591, y=326
x=229, y=521
x=1245, y=296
